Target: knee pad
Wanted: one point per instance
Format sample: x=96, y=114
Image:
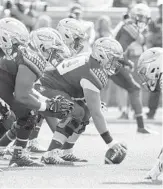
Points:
x=68, y=126
x=29, y=121
x=9, y=122
x=81, y=127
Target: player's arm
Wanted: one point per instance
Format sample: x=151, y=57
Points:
x=92, y=97
x=24, y=92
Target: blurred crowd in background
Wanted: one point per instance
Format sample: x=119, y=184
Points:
x=100, y=18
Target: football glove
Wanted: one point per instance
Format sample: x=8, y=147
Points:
x=4, y=110
x=61, y=106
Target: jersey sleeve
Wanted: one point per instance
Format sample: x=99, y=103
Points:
x=33, y=62
x=86, y=84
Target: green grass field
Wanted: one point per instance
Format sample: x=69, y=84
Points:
x=142, y=153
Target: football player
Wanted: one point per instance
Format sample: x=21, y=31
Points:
x=77, y=78
x=150, y=71
x=19, y=70
x=131, y=31
x=74, y=36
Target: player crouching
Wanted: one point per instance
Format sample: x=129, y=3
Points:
x=150, y=72
x=83, y=77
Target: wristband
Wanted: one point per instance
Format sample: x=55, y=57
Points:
x=42, y=107
x=107, y=137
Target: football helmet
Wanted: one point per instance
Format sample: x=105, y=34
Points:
x=13, y=33
x=140, y=14
x=149, y=68
x=108, y=51
x=72, y=33
x=48, y=43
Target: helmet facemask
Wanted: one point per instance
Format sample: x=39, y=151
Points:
x=57, y=55
x=74, y=42
x=113, y=65
x=49, y=46
x=141, y=22
x=149, y=78
x=108, y=61
x=8, y=45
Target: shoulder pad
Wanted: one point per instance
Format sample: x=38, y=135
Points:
x=33, y=62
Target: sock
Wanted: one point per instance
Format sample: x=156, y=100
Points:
x=71, y=141
x=22, y=137
x=57, y=141
x=7, y=138
x=139, y=120
x=68, y=145
x=35, y=131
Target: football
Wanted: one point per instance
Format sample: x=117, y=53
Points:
x=114, y=156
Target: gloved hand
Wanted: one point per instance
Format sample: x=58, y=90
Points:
x=60, y=105
x=4, y=110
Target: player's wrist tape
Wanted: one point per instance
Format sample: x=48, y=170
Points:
x=42, y=107
x=106, y=137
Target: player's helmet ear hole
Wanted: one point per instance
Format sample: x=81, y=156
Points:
x=67, y=36
x=152, y=70
x=157, y=76
x=42, y=47
x=4, y=39
x=101, y=56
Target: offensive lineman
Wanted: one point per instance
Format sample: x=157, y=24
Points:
x=150, y=71
x=17, y=76
x=77, y=78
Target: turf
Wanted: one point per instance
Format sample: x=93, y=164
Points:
x=142, y=153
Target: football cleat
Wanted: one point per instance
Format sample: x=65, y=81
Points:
x=20, y=158
x=53, y=157
x=34, y=146
x=8, y=153
x=146, y=131
x=155, y=172
x=72, y=158
x=143, y=131
x=2, y=151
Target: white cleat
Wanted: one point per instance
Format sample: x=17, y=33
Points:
x=53, y=157
x=34, y=146
x=155, y=172
x=2, y=151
